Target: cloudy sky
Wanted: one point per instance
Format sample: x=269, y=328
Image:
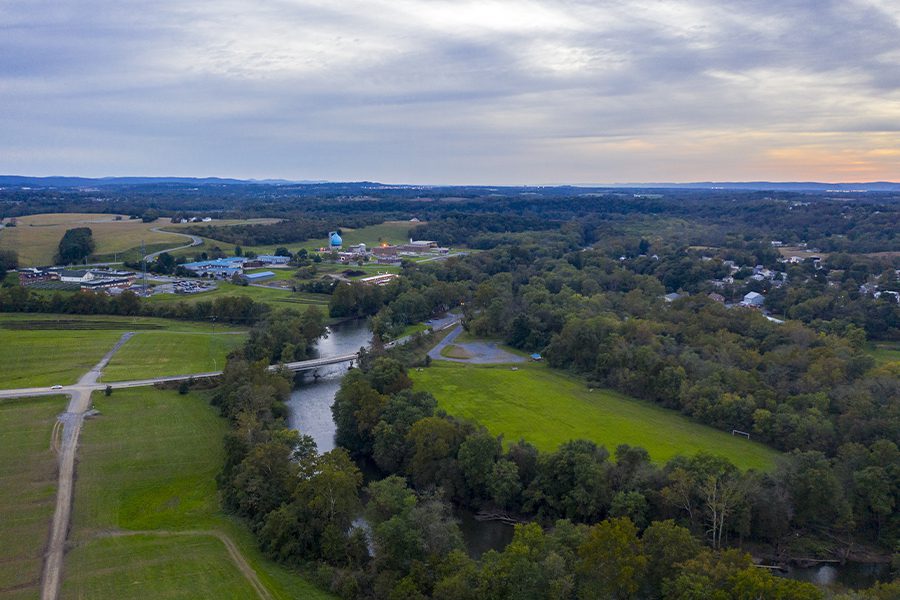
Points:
x=456, y=91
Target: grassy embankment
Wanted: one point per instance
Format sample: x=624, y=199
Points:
x=36, y=237
x=39, y=349
x=27, y=491
x=548, y=407
x=275, y=297
x=147, y=521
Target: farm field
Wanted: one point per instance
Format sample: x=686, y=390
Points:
x=44, y=349
x=548, y=408
x=50, y=357
x=36, y=237
x=157, y=354
x=27, y=491
x=159, y=490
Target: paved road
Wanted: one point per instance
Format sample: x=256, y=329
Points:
x=195, y=241
x=482, y=353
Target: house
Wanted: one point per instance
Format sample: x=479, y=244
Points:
x=753, y=300
x=672, y=297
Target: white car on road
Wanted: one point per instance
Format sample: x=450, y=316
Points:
x=56, y=387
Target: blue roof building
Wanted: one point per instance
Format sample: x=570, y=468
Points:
x=336, y=241
x=260, y=276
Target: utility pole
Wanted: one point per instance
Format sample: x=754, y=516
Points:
x=144, y=268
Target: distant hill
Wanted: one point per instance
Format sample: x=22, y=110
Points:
x=784, y=186
x=76, y=182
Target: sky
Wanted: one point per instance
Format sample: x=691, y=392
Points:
x=453, y=92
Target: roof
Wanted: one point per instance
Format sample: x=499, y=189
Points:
x=273, y=258
x=230, y=262
x=752, y=295
x=336, y=239
x=260, y=275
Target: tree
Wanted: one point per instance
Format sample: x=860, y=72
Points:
x=477, y=455
x=9, y=261
x=75, y=245
x=504, y=485
x=666, y=545
x=611, y=563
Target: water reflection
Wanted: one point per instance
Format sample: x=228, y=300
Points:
x=309, y=408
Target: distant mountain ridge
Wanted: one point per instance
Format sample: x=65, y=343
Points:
x=798, y=186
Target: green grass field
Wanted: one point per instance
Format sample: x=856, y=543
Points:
x=44, y=350
x=547, y=408
x=269, y=295
x=27, y=491
x=885, y=352
x=156, y=354
x=148, y=464
x=48, y=357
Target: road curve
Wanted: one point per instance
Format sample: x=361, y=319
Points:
x=195, y=241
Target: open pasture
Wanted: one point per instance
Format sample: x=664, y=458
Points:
x=36, y=237
x=161, y=353
x=45, y=349
x=147, y=468
x=547, y=408
x=27, y=491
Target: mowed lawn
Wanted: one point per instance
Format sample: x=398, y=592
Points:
x=27, y=491
x=45, y=349
x=50, y=357
x=148, y=464
x=159, y=353
x=547, y=408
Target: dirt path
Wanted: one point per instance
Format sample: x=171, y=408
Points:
x=239, y=561
x=72, y=419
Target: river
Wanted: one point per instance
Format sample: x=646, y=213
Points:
x=309, y=411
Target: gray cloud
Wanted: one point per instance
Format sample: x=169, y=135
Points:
x=502, y=91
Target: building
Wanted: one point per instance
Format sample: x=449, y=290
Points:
x=220, y=267
x=753, y=300
x=672, y=297
x=335, y=241
x=271, y=259
x=383, y=279
x=31, y=275
x=257, y=277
